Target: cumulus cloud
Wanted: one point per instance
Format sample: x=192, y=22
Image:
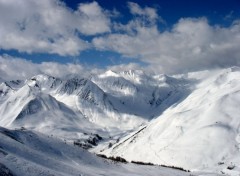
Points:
x=148, y=12
x=124, y=67
x=48, y=26
x=92, y=19
x=191, y=44
x=12, y=68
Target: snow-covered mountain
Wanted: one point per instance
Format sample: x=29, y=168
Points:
x=30, y=108
x=8, y=87
x=190, y=120
x=81, y=109
x=122, y=100
x=28, y=153
x=200, y=132
x=87, y=98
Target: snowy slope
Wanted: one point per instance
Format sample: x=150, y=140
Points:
x=120, y=101
x=77, y=108
x=28, y=107
x=135, y=93
x=33, y=154
x=7, y=88
x=190, y=121
x=13, y=105
x=4, y=90
x=202, y=132
x=86, y=97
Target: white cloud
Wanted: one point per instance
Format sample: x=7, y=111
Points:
x=192, y=44
x=92, y=19
x=148, y=12
x=48, y=26
x=12, y=68
x=124, y=67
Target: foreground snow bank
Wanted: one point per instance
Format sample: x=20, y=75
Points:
x=31, y=154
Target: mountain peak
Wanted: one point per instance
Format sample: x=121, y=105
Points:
x=133, y=72
x=42, y=77
x=109, y=73
x=134, y=75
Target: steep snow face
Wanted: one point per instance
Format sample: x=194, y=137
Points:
x=113, y=102
x=8, y=87
x=86, y=97
x=136, y=76
x=79, y=94
x=30, y=108
x=13, y=105
x=122, y=100
x=45, y=83
x=97, y=103
x=4, y=90
x=200, y=132
x=115, y=85
x=33, y=154
x=135, y=93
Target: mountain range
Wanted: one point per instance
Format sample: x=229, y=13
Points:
x=189, y=121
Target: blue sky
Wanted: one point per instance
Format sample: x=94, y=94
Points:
x=172, y=10
x=97, y=32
